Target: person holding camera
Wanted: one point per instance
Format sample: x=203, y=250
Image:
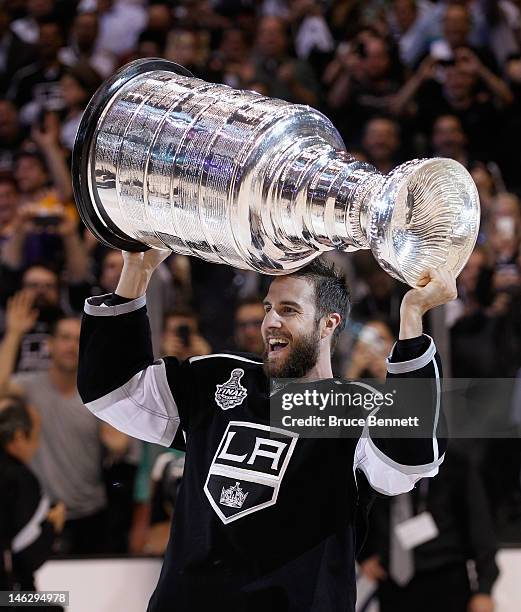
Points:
x=181, y=335
x=373, y=345
x=46, y=225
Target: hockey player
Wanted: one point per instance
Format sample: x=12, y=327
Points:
x=261, y=523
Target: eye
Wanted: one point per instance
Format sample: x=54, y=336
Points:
x=267, y=307
x=288, y=310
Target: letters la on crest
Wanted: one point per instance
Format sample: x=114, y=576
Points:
x=247, y=470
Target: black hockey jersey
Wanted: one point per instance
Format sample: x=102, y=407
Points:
x=262, y=522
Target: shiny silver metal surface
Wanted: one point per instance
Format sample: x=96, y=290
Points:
x=167, y=160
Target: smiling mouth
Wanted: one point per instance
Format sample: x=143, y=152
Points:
x=277, y=345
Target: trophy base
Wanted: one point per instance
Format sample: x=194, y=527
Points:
x=92, y=214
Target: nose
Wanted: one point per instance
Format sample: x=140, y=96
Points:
x=272, y=320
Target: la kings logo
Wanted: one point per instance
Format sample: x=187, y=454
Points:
x=231, y=393
x=247, y=470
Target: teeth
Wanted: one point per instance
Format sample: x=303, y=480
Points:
x=280, y=341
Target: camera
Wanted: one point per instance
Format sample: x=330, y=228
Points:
x=184, y=332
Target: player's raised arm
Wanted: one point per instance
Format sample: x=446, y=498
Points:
x=394, y=463
x=118, y=379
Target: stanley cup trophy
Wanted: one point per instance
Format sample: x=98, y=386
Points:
x=165, y=160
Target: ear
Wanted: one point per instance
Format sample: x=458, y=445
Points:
x=331, y=322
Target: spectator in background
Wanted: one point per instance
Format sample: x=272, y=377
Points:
x=69, y=460
x=42, y=172
x=27, y=28
x=489, y=181
x=469, y=282
x=413, y=26
x=166, y=477
x=228, y=59
x=14, y=53
x=9, y=201
x=83, y=45
x=486, y=335
x=449, y=139
x=504, y=228
x=451, y=88
x=78, y=85
x=313, y=39
x=111, y=266
x=46, y=228
x=159, y=18
x=373, y=344
x=430, y=573
x=11, y=135
x=184, y=48
x=503, y=19
x=456, y=35
x=39, y=300
x=120, y=24
x=36, y=88
x=28, y=524
x=382, y=294
x=249, y=315
x=510, y=155
x=181, y=336
x=363, y=81
x=150, y=44
x=275, y=67
x=381, y=143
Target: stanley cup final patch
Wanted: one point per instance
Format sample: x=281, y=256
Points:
x=247, y=470
x=231, y=393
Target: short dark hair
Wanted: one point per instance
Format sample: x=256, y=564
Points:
x=182, y=311
x=7, y=178
x=250, y=300
x=13, y=417
x=331, y=292
x=55, y=323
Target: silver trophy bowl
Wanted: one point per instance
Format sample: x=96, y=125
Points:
x=165, y=160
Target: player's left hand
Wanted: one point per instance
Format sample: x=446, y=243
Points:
x=436, y=287
x=481, y=603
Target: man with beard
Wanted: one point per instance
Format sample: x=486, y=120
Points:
x=41, y=284
x=264, y=519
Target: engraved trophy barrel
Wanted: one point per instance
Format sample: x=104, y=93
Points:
x=165, y=160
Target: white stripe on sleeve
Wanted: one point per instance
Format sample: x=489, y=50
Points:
x=143, y=407
x=387, y=476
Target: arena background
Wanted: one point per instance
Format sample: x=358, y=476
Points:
x=399, y=79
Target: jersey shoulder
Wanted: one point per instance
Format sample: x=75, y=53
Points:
x=227, y=366
x=226, y=359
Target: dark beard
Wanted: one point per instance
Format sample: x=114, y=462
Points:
x=302, y=357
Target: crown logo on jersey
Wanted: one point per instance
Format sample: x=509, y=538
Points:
x=233, y=497
x=231, y=393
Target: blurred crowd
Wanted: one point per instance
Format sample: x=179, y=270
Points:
x=399, y=79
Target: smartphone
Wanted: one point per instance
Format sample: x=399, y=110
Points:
x=440, y=50
x=371, y=337
x=184, y=333
x=47, y=220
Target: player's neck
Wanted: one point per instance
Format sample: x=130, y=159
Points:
x=321, y=369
